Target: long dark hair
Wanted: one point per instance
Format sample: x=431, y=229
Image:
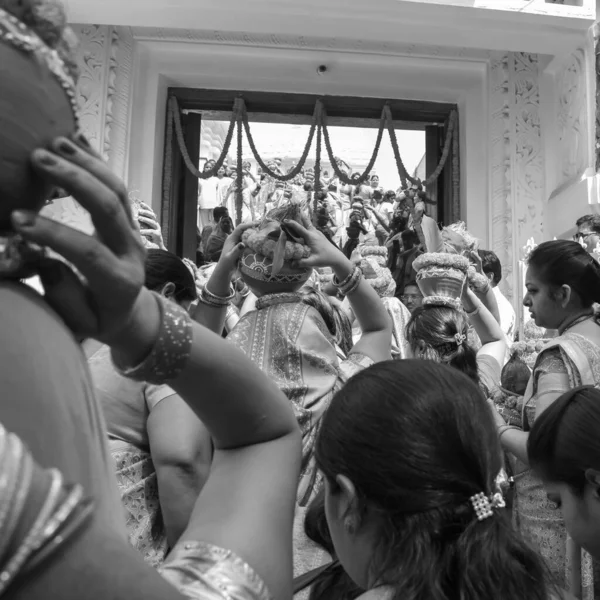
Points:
x=417, y=440
x=164, y=267
x=564, y=442
x=437, y=328
x=563, y=262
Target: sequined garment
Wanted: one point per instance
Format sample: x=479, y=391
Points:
x=570, y=360
x=202, y=571
x=138, y=486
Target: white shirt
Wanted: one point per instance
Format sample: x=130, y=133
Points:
x=508, y=318
x=209, y=197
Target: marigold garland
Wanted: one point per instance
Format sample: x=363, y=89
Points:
x=442, y=260
x=319, y=126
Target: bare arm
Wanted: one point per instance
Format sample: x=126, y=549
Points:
x=249, y=418
x=375, y=341
x=487, y=327
x=181, y=451
x=219, y=284
x=242, y=506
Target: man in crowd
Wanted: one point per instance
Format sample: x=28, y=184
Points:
x=222, y=229
x=588, y=232
x=493, y=271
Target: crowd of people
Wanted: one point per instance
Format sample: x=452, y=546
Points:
x=300, y=414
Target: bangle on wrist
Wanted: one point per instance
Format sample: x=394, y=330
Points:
x=350, y=284
x=210, y=299
x=340, y=284
x=171, y=350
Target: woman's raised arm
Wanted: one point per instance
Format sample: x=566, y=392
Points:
x=247, y=503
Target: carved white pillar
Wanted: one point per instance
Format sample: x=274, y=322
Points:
x=105, y=56
x=517, y=164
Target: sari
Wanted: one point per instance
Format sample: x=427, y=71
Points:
x=565, y=362
x=290, y=342
x=126, y=406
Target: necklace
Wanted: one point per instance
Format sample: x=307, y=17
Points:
x=575, y=322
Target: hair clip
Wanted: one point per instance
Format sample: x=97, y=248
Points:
x=484, y=506
x=459, y=338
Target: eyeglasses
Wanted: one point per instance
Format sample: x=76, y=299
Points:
x=582, y=237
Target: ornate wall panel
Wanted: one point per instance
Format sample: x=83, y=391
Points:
x=500, y=161
x=516, y=160
x=527, y=158
x=103, y=93
x=571, y=114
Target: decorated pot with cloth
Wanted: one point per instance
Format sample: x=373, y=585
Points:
x=441, y=278
x=267, y=264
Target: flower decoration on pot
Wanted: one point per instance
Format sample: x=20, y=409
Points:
x=441, y=278
x=372, y=261
x=458, y=240
x=267, y=263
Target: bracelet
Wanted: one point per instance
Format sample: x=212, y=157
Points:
x=349, y=284
x=171, y=350
x=345, y=282
x=352, y=287
x=210, y=299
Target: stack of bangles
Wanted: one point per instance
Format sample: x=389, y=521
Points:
x=350, y=284
x=210, y=299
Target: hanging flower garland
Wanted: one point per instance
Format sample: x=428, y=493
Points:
x=293, y=173
x=239, y=176
x=405, y=177
x=183, y=148
x=317, y=182
x=333, y=160
x=239, y=118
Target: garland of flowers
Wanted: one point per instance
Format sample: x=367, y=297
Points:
x=455, y=173
x=239, y=176
x=255, y=239
x=317, y=181
x=442, y=260
x=183, y=148
x=298, y=168
x=319, y=125
x=333, y=159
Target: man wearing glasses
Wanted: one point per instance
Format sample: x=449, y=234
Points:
x=588, y=232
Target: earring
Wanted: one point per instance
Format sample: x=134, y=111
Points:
x=350, y=525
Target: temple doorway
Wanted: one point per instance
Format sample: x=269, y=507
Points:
x=333, y=136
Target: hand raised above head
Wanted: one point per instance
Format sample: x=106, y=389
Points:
x=233, y=248
x=111, y=262
x=322, y=252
